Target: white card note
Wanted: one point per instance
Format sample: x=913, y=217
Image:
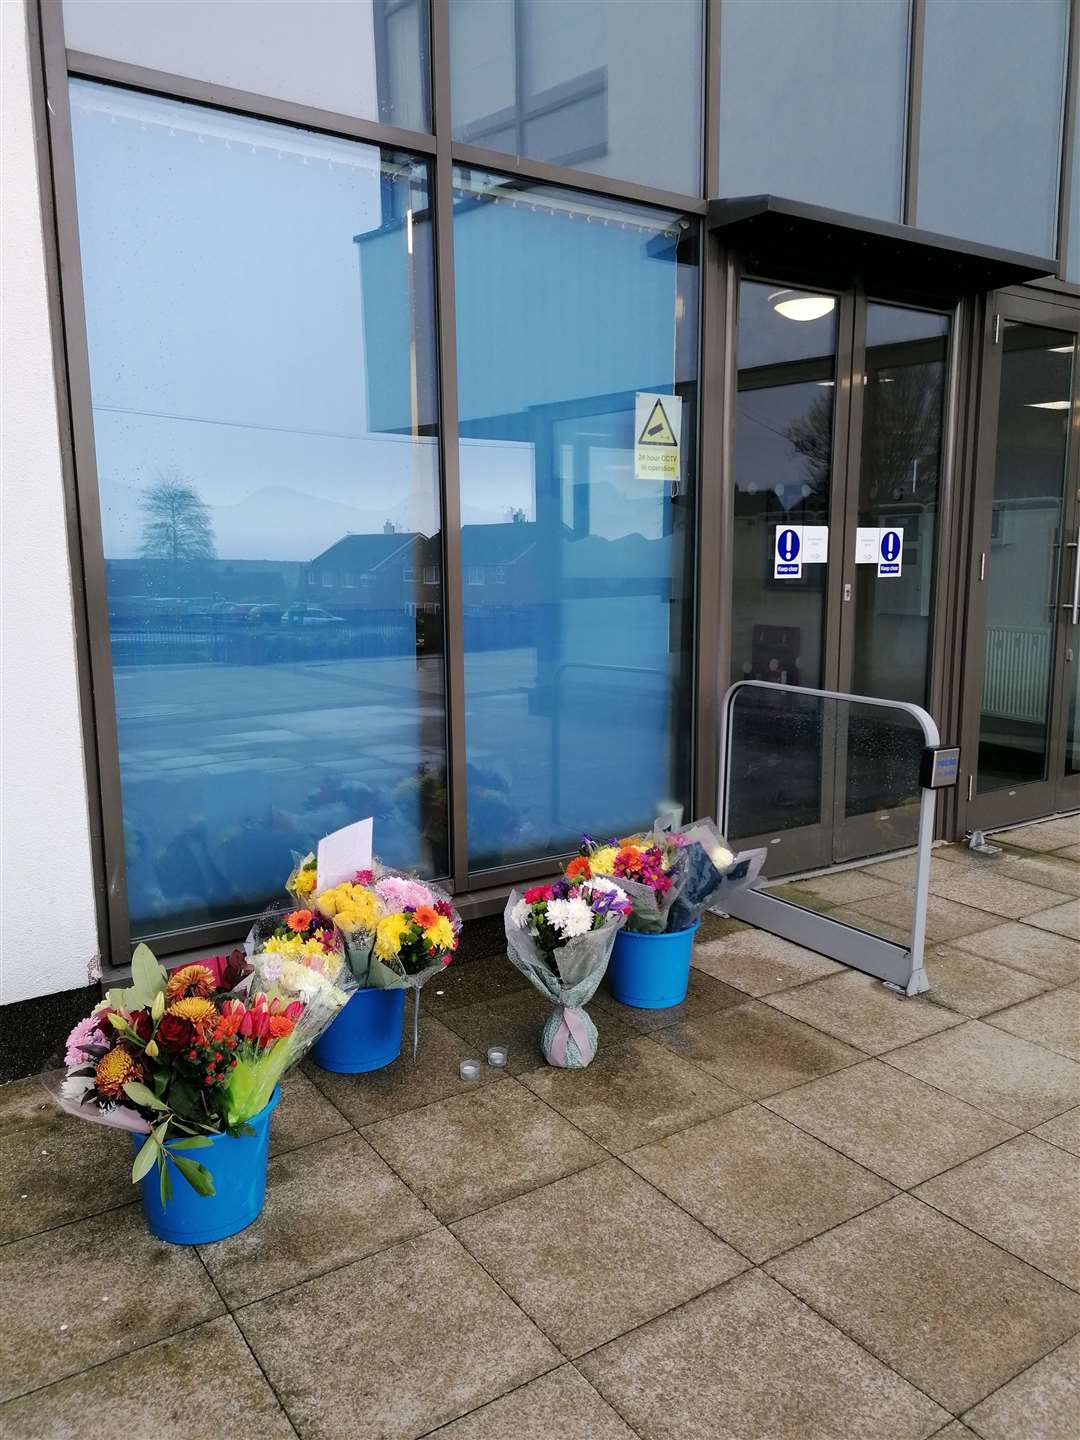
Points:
x=343, y=853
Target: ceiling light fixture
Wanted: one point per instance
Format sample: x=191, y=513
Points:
x=1048, y=404
x=795, y=306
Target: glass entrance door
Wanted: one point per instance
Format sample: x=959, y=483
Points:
x=840, y=418
x=1022, y=721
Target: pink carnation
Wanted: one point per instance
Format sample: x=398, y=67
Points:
x=85, y=1033
x=401, y=894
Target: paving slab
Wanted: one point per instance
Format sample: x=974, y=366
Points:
x=758, y=963
x=404, y=1085
x=1041, y=1404
x=1024, y=1196
x=303, y=1115
x=517, y=1022
x=950, y=1312
x=1059, y=919
x=333, y=1202
x=394, y=1345
x=973, y=986
x=596, y=1254
x=757, y=1050
x=945, y=919
x=1052, y=958
x=55, y=1172
x=467, y=983
x=1052, y=1020
x=465, y=1154
x=1063, y=1131
x=893, y=1124
x=995, y=891
x=842, y=887
x=91, y=1291
x=994, y=1071
x=863, y=1012
x=632, y=1094
x=1055, y=870
x=748, y=1361
x=704, y=996
x=1043, y=835
x=171, y=1390
x=757, y=1181
x=561, y=1403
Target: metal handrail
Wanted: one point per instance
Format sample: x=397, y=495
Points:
x=914, y=980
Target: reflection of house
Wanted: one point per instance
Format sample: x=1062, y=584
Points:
x=385, y=571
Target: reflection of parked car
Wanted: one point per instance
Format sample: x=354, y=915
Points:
x=264, y=614
x=309, y=615
x=230, y=613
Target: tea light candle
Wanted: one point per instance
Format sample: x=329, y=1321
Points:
x=497, y=1056
x=469, y=1069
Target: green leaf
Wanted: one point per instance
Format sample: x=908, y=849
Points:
x=165, y=1183
x=197, y=1176
x=145, y=1158
x=193, y=1142
x=147, y=976
x=141, y=1095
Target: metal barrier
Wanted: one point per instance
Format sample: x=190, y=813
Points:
x=899, y=966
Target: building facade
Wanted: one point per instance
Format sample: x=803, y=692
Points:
x=428, y=408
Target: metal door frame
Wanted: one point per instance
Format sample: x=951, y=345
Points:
x=1032, y=799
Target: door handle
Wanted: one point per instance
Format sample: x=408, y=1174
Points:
x=1074, y=603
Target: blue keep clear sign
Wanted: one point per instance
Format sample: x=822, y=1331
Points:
x=890, y=551
x=787, y=553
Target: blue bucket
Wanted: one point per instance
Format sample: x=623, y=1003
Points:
x=238, y=1167
x=366, y=1034
x=651, y=972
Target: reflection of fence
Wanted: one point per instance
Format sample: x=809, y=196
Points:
x=1016, y=670
x=277, y=645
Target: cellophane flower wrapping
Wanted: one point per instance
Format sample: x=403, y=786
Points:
x=568, y=968
x=176, y=1057
x=713, y=873
x=652, y=896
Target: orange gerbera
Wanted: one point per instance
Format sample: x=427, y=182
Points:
x=190, y=980
x=299, y=920
x=425, y=916
x=115, y=1070
x=629, y=858
x=579, y=869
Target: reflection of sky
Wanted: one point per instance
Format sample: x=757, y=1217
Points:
x=224, y=314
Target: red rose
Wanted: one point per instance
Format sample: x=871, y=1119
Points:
x=142, y=1025
x=174, y=1033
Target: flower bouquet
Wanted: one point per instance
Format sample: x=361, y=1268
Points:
x=184, y=1067
x=560, y=937
x=671, y=877
x=395, y=932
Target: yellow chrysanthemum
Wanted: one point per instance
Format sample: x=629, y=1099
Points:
x=290, y=945
x=354, y=907
x=302, y=882
x=115, y=1070
x=193, y=1008
x=190, y=979
x=389, y=935
x=602, y=861
x=441, y=934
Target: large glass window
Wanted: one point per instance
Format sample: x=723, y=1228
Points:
x=614, y=89
x=258, y=308
x=575, y=317
x=990, y=133
x=367, y=58
x=812, y=101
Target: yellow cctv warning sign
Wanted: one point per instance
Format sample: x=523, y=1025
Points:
x=658, y=427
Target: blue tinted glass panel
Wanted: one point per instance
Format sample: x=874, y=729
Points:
x=576, y=566
x=812, y=102
x=258, y=305
x=359, y=57
x=1072, y=257
x=990, y=135
x=614, y=89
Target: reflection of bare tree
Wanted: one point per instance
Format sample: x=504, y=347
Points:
x=901, y=434
x=177, y=525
